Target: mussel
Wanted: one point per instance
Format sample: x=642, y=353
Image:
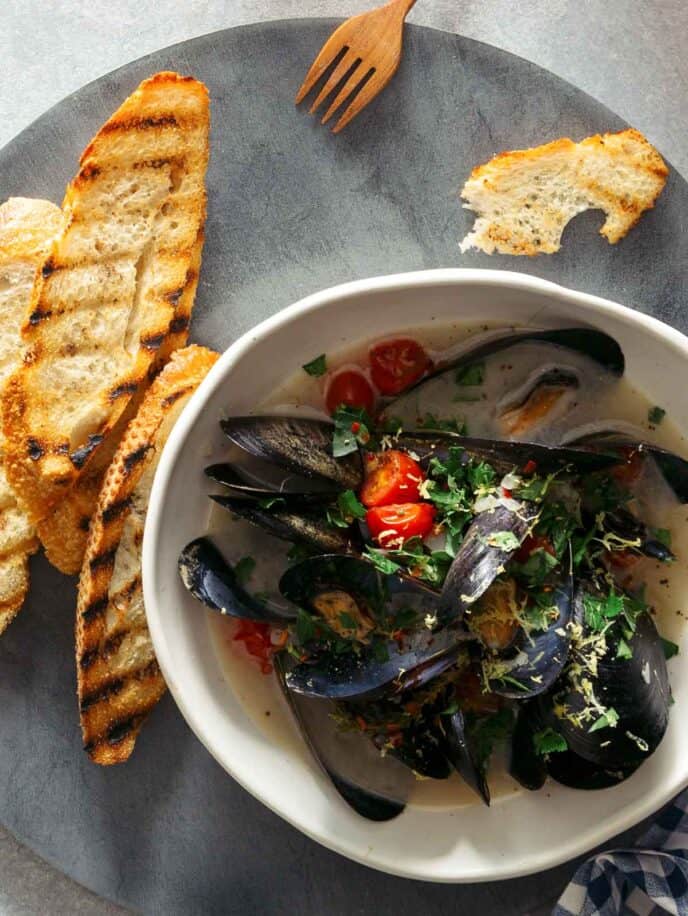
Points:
x=482, y=556
x=300, y=446
x=211, y=580
x=544, y=393
x=634, y=684
x=592, y=343
x=294, y=524
x=375, y=786
x=537, y=659
x=459, y=749
x=382, y=667
x=674, y=468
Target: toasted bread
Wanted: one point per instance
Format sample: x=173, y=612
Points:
x=118, y=678
x=64, y=531
x=525, y=198
x=26, y=229
x=104, y=301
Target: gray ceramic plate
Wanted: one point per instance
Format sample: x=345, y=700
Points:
x=292, y=210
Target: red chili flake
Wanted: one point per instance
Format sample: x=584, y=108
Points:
x=530, y=467
x=355, y=427
x=370, y=456
x=506, y=492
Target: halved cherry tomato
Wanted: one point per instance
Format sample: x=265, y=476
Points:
x=532, y=543
x=627, y=473
x=397, y=364
x=391, y=477
x=393, y=525
x=257, y=641
x=349, y=387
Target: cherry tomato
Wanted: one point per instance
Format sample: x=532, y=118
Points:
x=532, y=543
x=622, y=559
x=350, y=387
x=257, y=641
x=627, y=473
x=397, y=364
x=391, y=477
x=393, y=525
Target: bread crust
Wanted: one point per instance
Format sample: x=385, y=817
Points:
x=118, y=677
x=26, y=229
x=105, y=300
x=525, y=198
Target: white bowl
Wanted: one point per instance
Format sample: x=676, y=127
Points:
x=523, y=833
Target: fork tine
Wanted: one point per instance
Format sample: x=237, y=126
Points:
x=371, y=89
x=348, y=63
x=345, y=93
x=326, y=56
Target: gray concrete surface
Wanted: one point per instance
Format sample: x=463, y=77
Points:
x=628, y=54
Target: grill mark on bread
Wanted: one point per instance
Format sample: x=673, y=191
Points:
x=139, y=123
x=95, y=609
x=153, y=341
x=101, y=560
x=125, y=388
x=80, y=455
x=135, y=457
x=179, y=323
x=116, y=509
x=37, y=316
x=109, y=689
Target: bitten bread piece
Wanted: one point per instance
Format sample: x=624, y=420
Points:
x=118, y=677
x=64, y=532
x=105, y=298
x=525, y=198
x=26, y=229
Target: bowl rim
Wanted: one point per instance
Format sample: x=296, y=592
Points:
x=627, y=816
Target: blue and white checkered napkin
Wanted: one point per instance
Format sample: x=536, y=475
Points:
x=649, y=880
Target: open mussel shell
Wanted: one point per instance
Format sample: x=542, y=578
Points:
x=457, y=745
x=538, y=659
x=293, y=490
x=300, y=445
x=573, y=771
x=505, y=455
x=211, y=580
x=594, y=344
x=376, y=591
x=674, y=468
x=375, y=786
x=293, y=524
x=526, y=766
x=422, y=750
x=546, y=394
x=375, y=669
x=625, y=525
x=637, y=688
x=477, y=563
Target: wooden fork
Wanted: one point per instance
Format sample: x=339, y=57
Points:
x=367, y=49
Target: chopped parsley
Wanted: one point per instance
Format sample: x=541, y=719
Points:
x=608, y=719
x=548, y=741
x=655, y=415
x=243, y=569
x=471, y=375
x=536, y=568
x=316, y=367
x=452, y=425
x=663, y=535
x=504, y=540
x=351, y=427
x=484, y=733
x=346, y=509
x=670, y=648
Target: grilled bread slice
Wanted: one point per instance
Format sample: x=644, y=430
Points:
x=64, y=531
x=104, y=301
x=26, y=229
x=525, y=198
x=118, y=678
